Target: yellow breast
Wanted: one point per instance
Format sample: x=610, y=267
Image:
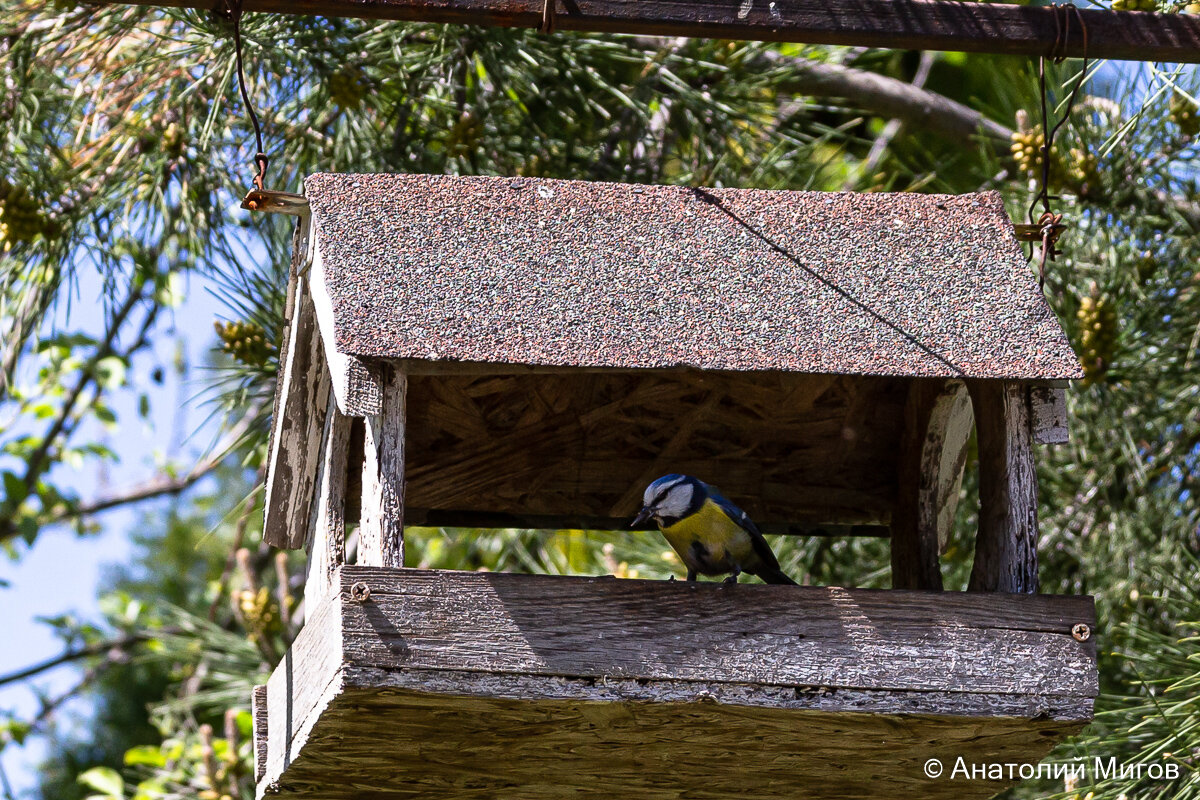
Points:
x=722, y=538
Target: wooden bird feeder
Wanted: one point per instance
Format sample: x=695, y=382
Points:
x=490, y=352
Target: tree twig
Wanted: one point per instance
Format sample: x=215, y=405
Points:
x=880, y=146
x=166, y=485
x=120, y=644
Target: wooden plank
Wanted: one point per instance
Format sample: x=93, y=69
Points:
x=258, y=711
x=1048, y=414
x=300, y=686
x=326, y=546
x=452, y=518
x=1006, y=558
x=411, y=744
x=381, y=532
x=357, y=385
x=301, y=396
x=506, y=686
x=771, y=635
x=933, y=454
x=898, y=24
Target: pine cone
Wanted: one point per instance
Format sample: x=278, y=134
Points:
x=1098, y=335
x=1184, y=113
x=347, y=87
x=245, y=341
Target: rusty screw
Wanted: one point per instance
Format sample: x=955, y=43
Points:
x=360, y=592
x=1081, y=632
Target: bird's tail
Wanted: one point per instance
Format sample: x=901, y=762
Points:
x=776, y=576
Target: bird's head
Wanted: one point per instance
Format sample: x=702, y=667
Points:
x=671, y=498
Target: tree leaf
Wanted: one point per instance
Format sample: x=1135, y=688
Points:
x=105, y=780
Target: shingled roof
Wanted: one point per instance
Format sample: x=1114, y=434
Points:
x=578, y=274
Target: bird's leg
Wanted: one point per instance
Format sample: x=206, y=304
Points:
x=733, y=578
x=691, y=575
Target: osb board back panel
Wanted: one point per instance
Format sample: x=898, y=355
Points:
x=768, y=635
x=787, y=448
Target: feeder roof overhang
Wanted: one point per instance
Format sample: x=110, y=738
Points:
x=598, y=275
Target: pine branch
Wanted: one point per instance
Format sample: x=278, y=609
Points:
x=883, y=96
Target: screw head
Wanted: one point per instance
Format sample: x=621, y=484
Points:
x=1081, y=632
x=360, y=592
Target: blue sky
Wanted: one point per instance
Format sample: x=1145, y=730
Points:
x=61, y=573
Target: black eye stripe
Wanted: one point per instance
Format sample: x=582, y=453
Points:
x=662, y=493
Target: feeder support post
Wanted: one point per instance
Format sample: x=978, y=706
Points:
x=326, y=544
x=1006, y=546
x=933, y=452
x=381, y=531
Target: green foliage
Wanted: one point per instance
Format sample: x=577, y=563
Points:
x=1153, y=718
x=123, y=147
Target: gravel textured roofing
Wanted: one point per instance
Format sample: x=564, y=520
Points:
x=571, y=273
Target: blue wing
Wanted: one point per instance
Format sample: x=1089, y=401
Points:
x=761, y=548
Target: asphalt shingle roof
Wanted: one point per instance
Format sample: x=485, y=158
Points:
x=579, y=274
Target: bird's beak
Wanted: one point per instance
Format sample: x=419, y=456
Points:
x=642, y=516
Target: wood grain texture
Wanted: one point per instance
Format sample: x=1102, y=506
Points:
x=381, y=532
x=897, y=24
x=326, y=545
x=302, y=393
x=1006, y=558
x=659, y=630
x=1059, y=708
x=452, y=518
x=937, y=423
x=554, y=687
x=302, y=684
x=793, y=450
x=1048, y=415
x=357, y=385
x=409, y=744
x=258, y=711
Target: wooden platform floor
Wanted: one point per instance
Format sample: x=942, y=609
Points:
x=467, y=685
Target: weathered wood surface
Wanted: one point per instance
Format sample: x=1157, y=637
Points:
x=493, y=685
x=357, y=385
x=381, y=532
x=402, y=741
x=659, y=630
x=900, y=24
x=1048, y=415
x=301, y=396
x=505, y=686
x=326, y=544
x=302, y=685
x=452, y=518
x=792, y=450
x=258, y=711
x=937, y=425
x=1006, y=558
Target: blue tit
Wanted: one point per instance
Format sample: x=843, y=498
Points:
x=711, y=535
